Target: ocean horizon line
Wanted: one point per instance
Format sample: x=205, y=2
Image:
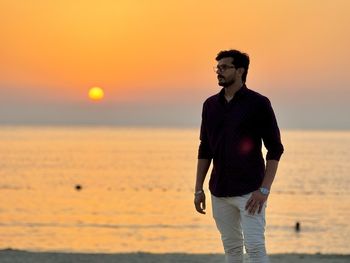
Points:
x=151, y=126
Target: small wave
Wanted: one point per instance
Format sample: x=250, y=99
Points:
x=13, y=187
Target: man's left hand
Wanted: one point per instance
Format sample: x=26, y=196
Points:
x=256, y=202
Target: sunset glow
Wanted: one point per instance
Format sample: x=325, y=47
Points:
x=155, y=53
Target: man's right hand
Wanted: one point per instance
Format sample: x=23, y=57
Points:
x=199, y=202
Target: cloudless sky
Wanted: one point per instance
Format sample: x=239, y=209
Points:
x=154, y=59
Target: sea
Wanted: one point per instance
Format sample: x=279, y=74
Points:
x=129, y=189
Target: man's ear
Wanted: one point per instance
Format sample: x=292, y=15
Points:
x=240, y=71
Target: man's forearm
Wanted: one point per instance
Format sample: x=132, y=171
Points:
x=202, y=169
x=270, y=173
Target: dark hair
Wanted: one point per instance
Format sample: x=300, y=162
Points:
x=240, y=60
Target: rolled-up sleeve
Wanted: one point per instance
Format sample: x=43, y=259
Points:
x=270, y=132
x=204, y=151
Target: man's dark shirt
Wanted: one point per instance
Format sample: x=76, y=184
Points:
x=232, y=134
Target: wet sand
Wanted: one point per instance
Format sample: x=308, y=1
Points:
x=18, y=256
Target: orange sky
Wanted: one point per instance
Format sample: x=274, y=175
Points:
x=159, y=50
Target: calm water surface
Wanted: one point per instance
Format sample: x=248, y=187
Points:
x=137, y=191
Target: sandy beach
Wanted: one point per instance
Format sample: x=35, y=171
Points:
x=18, y=256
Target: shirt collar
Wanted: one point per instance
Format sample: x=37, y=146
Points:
x=239, y=93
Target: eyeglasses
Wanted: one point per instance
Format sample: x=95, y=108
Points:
x=222, y=68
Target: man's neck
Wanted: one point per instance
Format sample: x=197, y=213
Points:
x=231, y=90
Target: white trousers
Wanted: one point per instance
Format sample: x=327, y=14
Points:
x=238, y=227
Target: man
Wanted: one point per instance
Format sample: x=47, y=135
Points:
x=234, y=123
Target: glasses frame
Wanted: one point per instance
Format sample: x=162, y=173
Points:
x=222, y=68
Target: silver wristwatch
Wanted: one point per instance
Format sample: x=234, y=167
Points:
x=264, y=190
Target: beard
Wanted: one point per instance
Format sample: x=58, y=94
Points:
x=225, y=83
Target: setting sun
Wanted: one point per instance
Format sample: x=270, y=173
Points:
x=96, y=93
